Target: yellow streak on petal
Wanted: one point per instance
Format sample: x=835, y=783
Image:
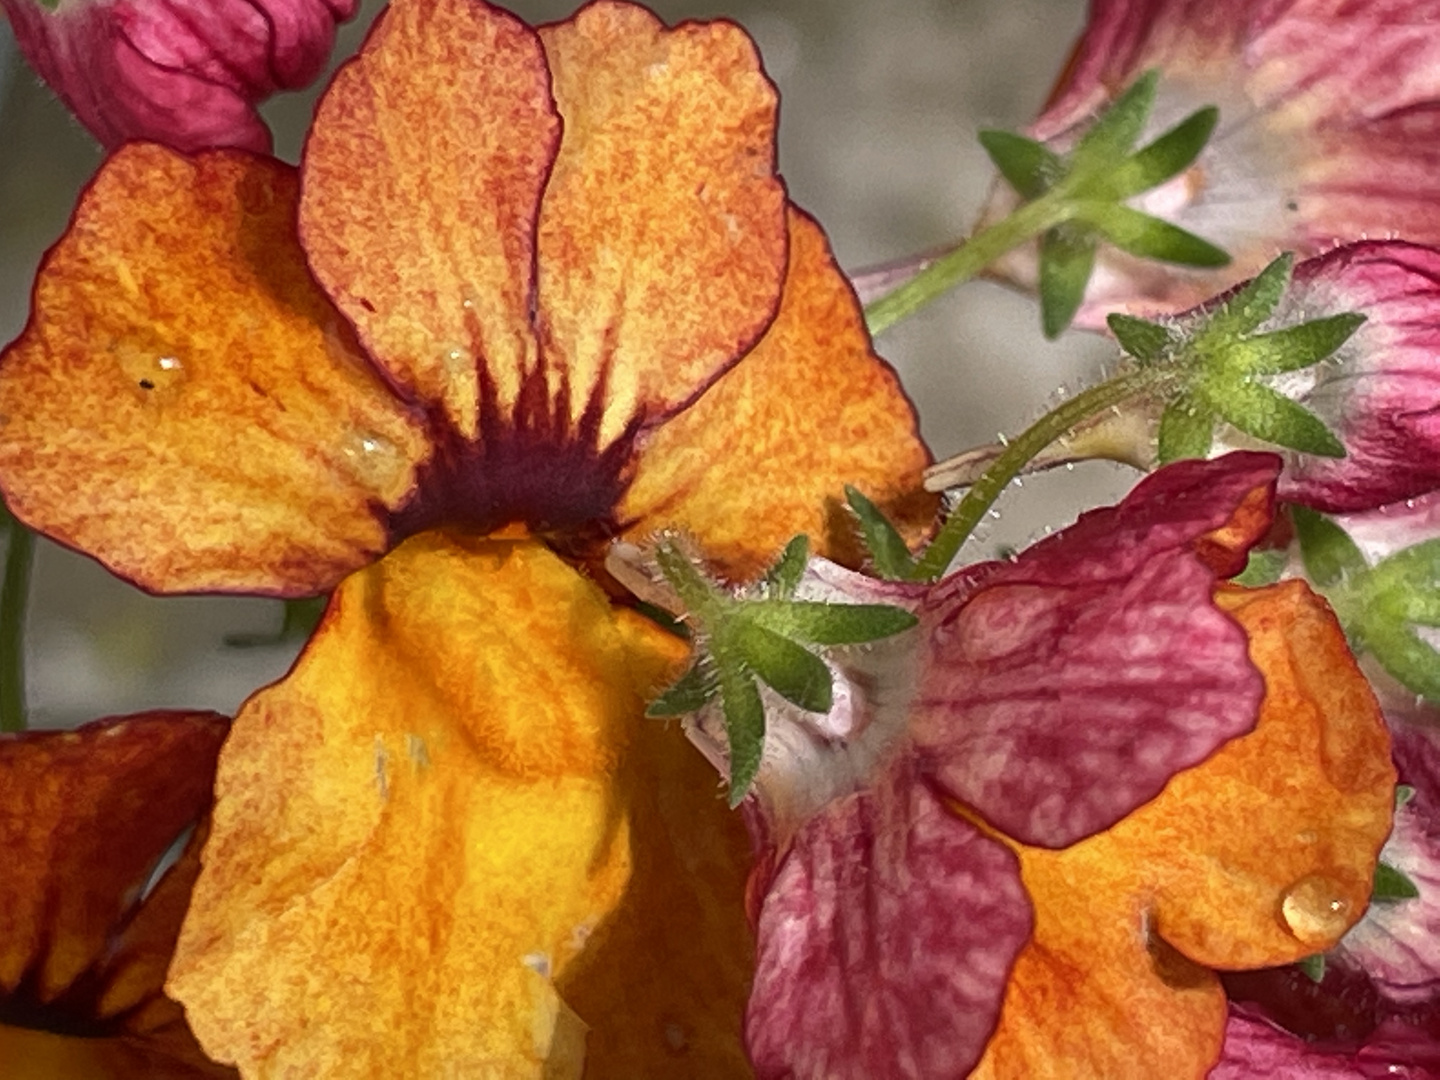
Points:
x=420, y=829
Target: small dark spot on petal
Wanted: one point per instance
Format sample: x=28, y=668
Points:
x=146, y=384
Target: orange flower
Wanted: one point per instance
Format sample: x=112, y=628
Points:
x=87, y=924
x=546, y=289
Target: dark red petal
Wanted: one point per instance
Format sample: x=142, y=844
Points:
x=885, y=941
x=1066, y=688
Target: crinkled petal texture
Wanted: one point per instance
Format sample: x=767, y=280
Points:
x=1380, y=392
x=1329, y=130
x=449, y=806
x=181, y=72
x=763, y=454
x=1255, y=1048
x=1065, y=688
x=885, y=939
x=616, y=271
x=85, y=935
x=185, y=404
x=1260, y=855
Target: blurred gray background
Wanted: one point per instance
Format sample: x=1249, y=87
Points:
x=880, y=106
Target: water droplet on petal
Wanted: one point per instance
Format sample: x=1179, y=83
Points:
x=1315, y=910
x=148, y=373
x=377, y=462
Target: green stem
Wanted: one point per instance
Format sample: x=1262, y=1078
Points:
x=974, y=255
x=1053, y=425
x=14, y=594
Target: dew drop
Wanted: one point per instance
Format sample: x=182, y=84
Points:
x=1315, y=910
x=150, y=374
x=377, y=461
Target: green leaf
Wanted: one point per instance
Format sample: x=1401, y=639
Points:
x=1405, y=655
x=1407, y=584
x=1329, y=554
x=1149, y=237
x=1313, y=966
x=1392, y=885
x=832, y=624
x=1264, y=567
x=699, y=596
x=1142, y=339
x=1167, y=156
x=1271, y=416
x=1028, y=166
x=1187, y=428
x=689, y=693
x=1403, y=794
x=886, y=546
x=1115, y=131
x=1252, y=304
x=795, y=673
x=784, y=576
x=1296, y=347
x=1067, y=256
x=744, y=727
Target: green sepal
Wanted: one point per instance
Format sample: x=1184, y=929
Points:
x=1067, y=257
x=687, y=694
x=883, y=542
x=1167, y=156
x=1116, y=129
x=1392, y=885
x=744, y=727
x=697, y=594
x=1028, y=166
x=1149, y=237
x=1313, y=966
x=1329, y=554
x=783, y=577
x=1252, y=304
x=1403, y=794
x=1270, y=416
x=794, y=672
x=1296, y=347
x=832, y=624
x=1407, y=584
x=1187, y=429
x=1402, y=653
x=1264, y=567
x=1142, y=339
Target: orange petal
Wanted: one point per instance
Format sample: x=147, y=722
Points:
x=422, y=181
x=421, y=826
x=662, y=232
x=1259, y=856
x=766, y=452
x=185, y=404
x=86, y=817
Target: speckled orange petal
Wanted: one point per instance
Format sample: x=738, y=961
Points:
x=422, y=181
x=662, y=232
x=85, y=819
x=1259, y=856
x=767, y=451
x=421, y=827
x=185, y=404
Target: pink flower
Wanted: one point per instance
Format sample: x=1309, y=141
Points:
x=914, y=837
x=187, y=73
x=1329, y=131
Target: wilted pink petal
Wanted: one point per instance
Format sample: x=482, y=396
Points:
x=1397, y=944
x=187, y=73
x=885, y=941
x=1382, y=532
x=1255, y=1049
x=1329, y=131
x=1380, y=393
x=1064, y=689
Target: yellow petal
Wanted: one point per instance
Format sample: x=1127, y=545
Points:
x=662, y=232
x=422, y=181
x=1259, y=856
x=767, y=451
x=185, y=404
x=425, y=823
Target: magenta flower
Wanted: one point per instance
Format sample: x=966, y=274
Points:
x=187, y=73
x=1037, y=704
x=1380, y=391
x=1329, y=131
